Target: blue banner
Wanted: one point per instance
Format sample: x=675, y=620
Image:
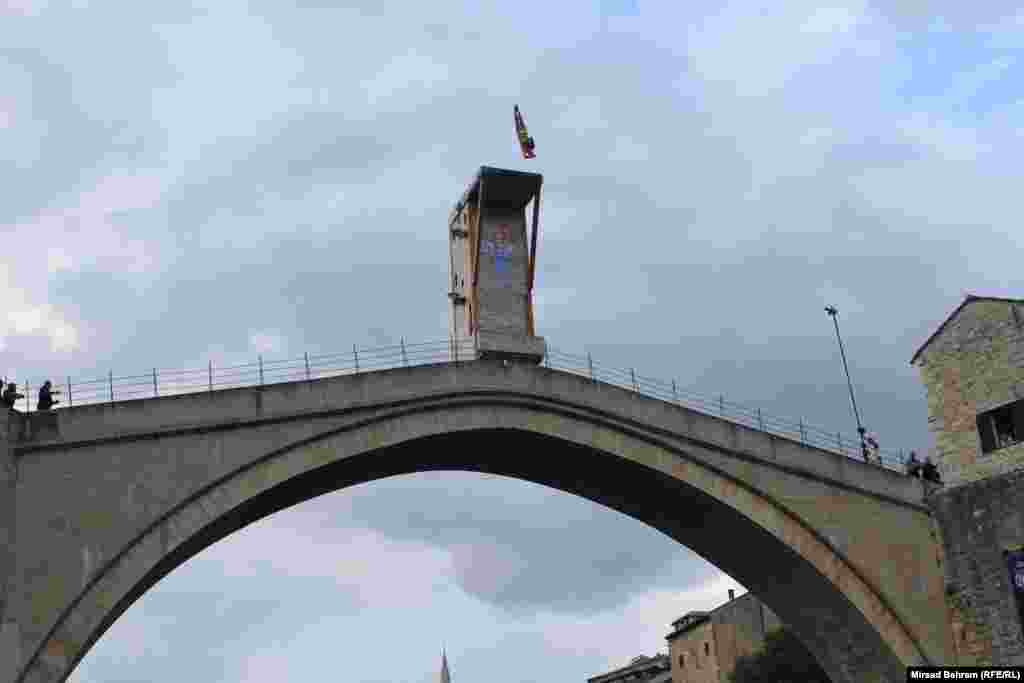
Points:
x=1015, y=564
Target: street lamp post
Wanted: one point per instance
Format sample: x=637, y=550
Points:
x=832, y=311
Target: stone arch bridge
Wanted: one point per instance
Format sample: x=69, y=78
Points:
x=98, y=502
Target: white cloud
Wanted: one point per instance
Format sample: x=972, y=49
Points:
x=630, y=149
x=756, y=53
x=405, y=75
x=580, y=115
x=842, y=298
x=639, y=628
x=833, y=20
x=270, y=666
x=267, y=342
x=943, y=139
x=22, y=7
x=87, y=232
x=373, y=570
x=7, y=112
x=26, y=317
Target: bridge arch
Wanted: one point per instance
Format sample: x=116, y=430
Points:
x=750, y=531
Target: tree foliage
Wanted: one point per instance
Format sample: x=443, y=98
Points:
x=784, y=659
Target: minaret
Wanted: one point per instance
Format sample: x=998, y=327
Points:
x=445, y=677
x=492, y=266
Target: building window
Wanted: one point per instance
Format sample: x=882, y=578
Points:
x=682, y=661
x=707, y=649
x=1001, y=427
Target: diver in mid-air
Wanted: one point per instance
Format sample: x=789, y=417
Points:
x=525, y=141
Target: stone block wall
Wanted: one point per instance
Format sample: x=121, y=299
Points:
x=974, y=364
x=10, y=657
x=740, y=628
x=978, y=521
x=733, y=630
x=689, y=663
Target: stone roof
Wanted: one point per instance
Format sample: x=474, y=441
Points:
x=638, y=667
x=687, y=622
x=970, y=298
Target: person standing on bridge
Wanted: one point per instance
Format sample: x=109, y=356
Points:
x=930, y=471
x=871, y=442
x=11, y=395
x=913, y=465
x=46, y=400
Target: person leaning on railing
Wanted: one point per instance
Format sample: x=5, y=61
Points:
x=871, y=443
x=46, y=399
x=930, y=472
x=11, y=395
x=923, y=470
x=913, y=465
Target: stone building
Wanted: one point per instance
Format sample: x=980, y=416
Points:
x=641, y=669
x=704, y=646
x=973, y=369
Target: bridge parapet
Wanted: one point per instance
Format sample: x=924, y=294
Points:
x=111, y=389
x=372, y=392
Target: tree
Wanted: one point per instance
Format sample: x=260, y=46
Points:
x=784, y=659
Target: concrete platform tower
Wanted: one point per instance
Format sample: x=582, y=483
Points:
x=492, y=266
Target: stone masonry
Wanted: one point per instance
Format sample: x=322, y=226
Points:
x=108, y=498
x=705, y=646
x=978, y=520
x=973, y=364
x=490, y=266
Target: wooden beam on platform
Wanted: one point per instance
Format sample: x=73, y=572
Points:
x=533, y=240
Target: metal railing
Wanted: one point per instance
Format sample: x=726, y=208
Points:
x=112, y=389
x=719, y=406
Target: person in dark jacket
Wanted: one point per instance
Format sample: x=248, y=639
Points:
x=46, y=400
x=11, y=395
x=930, y=471
x=913, y=465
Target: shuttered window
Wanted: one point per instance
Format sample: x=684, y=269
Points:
x=1001, y=427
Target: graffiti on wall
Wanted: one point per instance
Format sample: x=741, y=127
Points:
x=1015, y=563
x=499, y=250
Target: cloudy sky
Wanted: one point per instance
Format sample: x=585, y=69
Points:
x=186, y=182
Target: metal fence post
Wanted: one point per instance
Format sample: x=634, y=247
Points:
x=110, y=380
x=71, y=401
x=306, y=356
x=355, y=354
x=28, y=399
x=760, y=420
x=839, y=440
x=261, y=369
x=632, y=374
x=590, y=364
x=721, y=405
x=675, y=396
x=802, y=435
x=210, y=376
x=155, y=392
x=405, y=359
